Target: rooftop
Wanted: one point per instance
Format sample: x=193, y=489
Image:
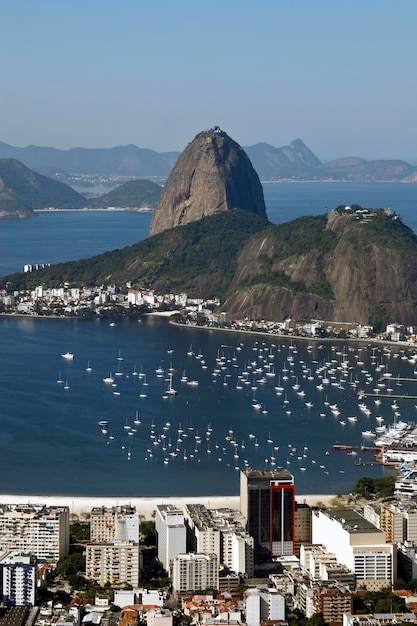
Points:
x=351, y=521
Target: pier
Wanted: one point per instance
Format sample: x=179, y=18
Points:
x=374, y=394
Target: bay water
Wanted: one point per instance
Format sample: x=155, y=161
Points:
x=87, y=439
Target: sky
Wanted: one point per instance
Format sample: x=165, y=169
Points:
x=341, y=76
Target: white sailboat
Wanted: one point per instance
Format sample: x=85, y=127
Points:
x=171, y=391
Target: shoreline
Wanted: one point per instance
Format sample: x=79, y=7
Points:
x=259, y=333
x=80, y=506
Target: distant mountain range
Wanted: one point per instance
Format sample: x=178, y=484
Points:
x=23, y=190
x=294, y=162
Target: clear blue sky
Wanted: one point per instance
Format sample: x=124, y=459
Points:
x=342, y=76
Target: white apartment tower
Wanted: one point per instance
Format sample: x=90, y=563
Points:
x=237, y=552
x=195, y=572
x=172, y=533
x=19, y=579
x=36, y=529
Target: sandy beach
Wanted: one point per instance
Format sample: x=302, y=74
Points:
x=80, y=506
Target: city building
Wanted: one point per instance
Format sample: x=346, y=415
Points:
x=19, y=579
x=302, y=526
x=332, y=602
x=399, y=521
x=114, y=562
x=221, y=531
x=116, y=522
x=195, y=572
x=36, y=529
x=264, y=605
x=203, y=535
x=267, y=501
x=358, y=545
x=172, y=533
x=323, y=566
x=159, y=617
x=407, y=561
x=146, y=597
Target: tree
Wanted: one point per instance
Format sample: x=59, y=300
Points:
x=148, y=532
x=79, y=531
x=72, y=564
x=364, y=487
x=316, y=620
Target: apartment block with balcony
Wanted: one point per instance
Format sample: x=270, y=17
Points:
x=36, y=529
x=195, y=572
x=114, y=562
x=116, y=522
x=19, y=579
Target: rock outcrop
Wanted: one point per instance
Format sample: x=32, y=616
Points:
x=352, y=269
x=213, y=174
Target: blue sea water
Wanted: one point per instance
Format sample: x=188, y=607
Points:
x=51, y=441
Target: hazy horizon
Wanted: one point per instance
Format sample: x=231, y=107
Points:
x=102, y=74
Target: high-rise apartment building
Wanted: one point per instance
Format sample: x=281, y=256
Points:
x=195, y=572
x=37, y=529
x=220, y=531
x=267, y=501
x=172, y=533
x=116, y=522
x=114, y=562
x=19, y=579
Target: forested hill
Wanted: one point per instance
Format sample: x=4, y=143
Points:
x=352, y=265
x=132, y=194
x=22, y=190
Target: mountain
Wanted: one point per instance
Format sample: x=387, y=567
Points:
x=121, y=160
x=293, y=162
x=354, y=169
x=213, y=174
x=132, y=194
x=352, y=265
x=287, y=162
x=22, y=190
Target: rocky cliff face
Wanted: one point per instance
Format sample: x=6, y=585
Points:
x=364, y=271
x=212, y=175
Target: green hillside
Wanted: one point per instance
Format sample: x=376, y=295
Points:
x=132, y=194
x=198, y=258
x=21, y=186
